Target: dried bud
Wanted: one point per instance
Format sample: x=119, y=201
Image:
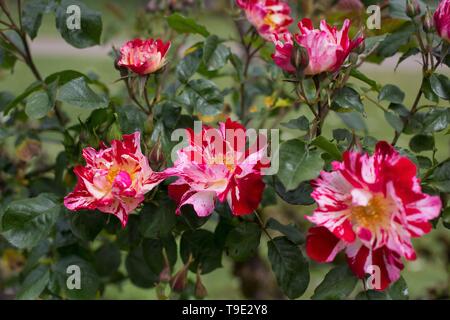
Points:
x=412, y=8
x=200, y=290
x=179, y=282
x=28, y=149
x=164, y=276
x=428, y=22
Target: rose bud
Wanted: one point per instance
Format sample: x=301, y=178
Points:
x=428, y=23
x=299, y=58
x=442, y=20
x=412, y=8
x=179, y=282
x=143, y=56
x=200, y=290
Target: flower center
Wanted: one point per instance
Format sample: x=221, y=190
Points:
x=112, y=174
x=229, y=161
x=376, y=214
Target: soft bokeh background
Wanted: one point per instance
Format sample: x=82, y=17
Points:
x=429, y=272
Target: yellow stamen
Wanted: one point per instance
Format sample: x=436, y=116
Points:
x=375, y=215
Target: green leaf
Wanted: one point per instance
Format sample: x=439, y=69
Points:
x=32, y=13
x=182, y=24
x=153, y=253
x=86, y=225
x=436, y=120
x=5, y=98
x=297, y=163
x=131, y=119
x=139, y=271
x=421, y=142
x=399, y=290
x=157, y=221
x=215, y=54
x=242, y=241
x=290, y=267
x=391, y=93
x=338, y=284
x=372, y=295
x=301, y=123
x=355, y=73
x=299, y=196
x=90, y=28
x=446, y=218
x=353, y=120
x=203, y=96
x=409, y=53
x=186, y=68
x=34, y=283
x=392, y=43
x=394, y=121
x=76, y=92
x=328, y=147
x=107, y=259
x=203, y=248
x=440, y=177
x=440, y=85
x=89, y=281
x=428, y=91
x=38, y=105
x=347, y=97
x=26, y=222
x=289, y=230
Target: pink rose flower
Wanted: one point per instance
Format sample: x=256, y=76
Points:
x=267, y=16
x=442, y=20
x=114, y=179
x=371, y=207
x=327, y=47
x=143, y=56
x=212, y=168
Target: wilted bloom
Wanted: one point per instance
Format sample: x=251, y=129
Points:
x=114, y=179
x=143, y=56
x=267, y=16
x=327, y=47
x=371, y=207
x=442, y=20
x=216, y=165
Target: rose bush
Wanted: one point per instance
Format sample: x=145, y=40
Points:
x=116, y=177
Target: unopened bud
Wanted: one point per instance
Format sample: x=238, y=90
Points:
x=299, y=58
x=200, y=290
x=353, y=58
x=179, y=282
x=428, y=22
x=412, y=8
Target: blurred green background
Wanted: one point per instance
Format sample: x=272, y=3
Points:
x=428, y=272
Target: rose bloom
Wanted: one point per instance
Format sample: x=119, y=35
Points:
x=212, y=167
x=114, y=179
x=143, y=56
x=327, y=47
x=371, y=207
x=442, y=20
x=267, y=16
